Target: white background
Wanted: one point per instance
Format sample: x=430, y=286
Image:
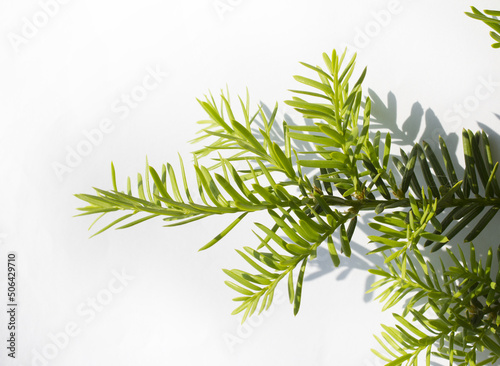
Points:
x=64, y=69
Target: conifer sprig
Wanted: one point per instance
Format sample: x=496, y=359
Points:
x=314, y=197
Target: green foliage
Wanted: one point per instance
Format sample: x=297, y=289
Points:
x=492, y=21
x=455, y=308
x=314, y=197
